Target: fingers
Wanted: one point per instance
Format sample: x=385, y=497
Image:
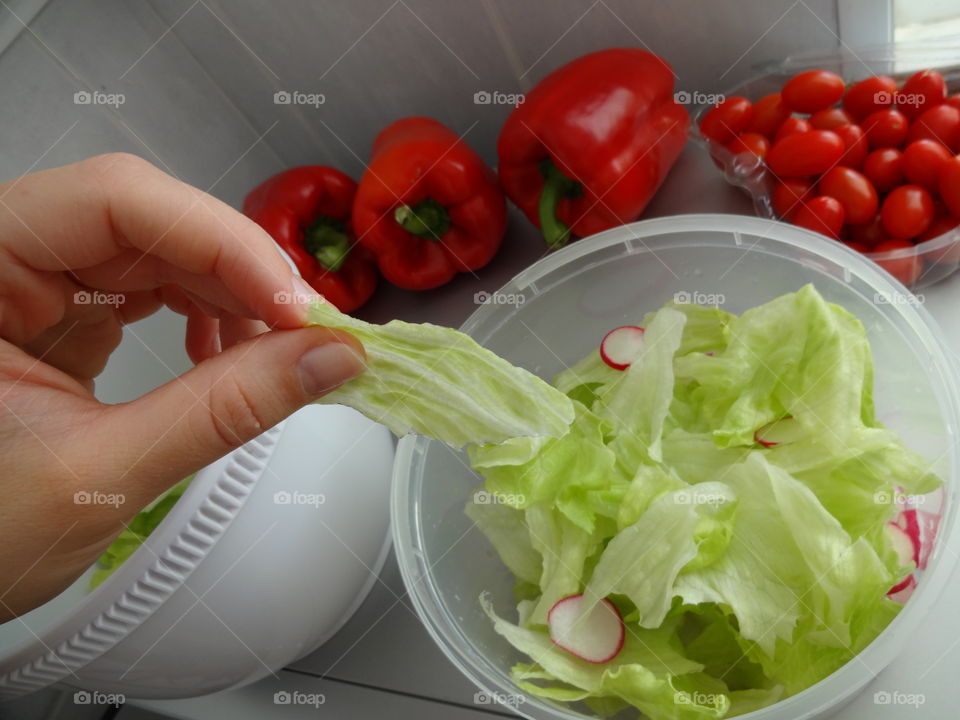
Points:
x=225, y=401
x=203, y=336
x=116, y=203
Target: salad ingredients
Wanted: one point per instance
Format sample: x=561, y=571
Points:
x=734, y=466
x=592, y=142
x=803, y=155
x=427, y=206
x=306, y=210
x=595, y=636
x=812, y=90
x=438, y=382
x=621, y=346
x=133, y=536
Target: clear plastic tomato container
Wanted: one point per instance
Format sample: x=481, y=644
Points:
x=940, y=256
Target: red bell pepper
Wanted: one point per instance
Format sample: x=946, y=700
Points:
x=307, y=212
x=592, y=142
x=427, y=206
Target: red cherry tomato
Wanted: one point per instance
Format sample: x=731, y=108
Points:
x=922, y=162
x=953, y=100
x=884, y=168
x=812, y=90
x=950, y=185
x=870, y=95
x=853, y=190
x=856, y=145
x=823, y=214
x=751, y=143
x=869, y=233
x=789, y=196
x=830, y=118
x=942, y=223
x=805, y=154
x=791, y=126
x=908, y=269
x=859, y=247
x=907, y=211
x=922, y=90
x=725, y=121
x=941, y=123
x=769, y=113
x=886, y=128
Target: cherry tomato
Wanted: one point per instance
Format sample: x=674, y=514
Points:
x=922, y=162
x=906, y=269
x=950, y=185
x=859, y=247
x=886, y=128
x=953, y=100
x=749, y=142
x=812, y=90
x=792, y=125
x=870, y=95
x=830, y=118
x=805, y=154
x=769, y=113
x=853, y=190
x=725, y=121
x=941, y=123
x=922, y=90
x=856, y=145
x=823, y=214
x=942, y=223
x=869, y=233
x=884, y=168
x=789, y=195
x=907, y=211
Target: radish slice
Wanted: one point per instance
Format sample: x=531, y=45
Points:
x=785, y=430
x=902, y=592
x=927, y=526
x=621, y=346
x=903, y=543
x=596, y=638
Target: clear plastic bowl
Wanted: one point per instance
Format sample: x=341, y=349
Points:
x=572, y=298
x=940, y=255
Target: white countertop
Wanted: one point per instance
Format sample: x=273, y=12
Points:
x=383, y=663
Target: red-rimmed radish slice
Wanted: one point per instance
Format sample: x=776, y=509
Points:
x=596, y=637
x=902, y=543
x=784, y=430
x=621, y=346
x=902, y=591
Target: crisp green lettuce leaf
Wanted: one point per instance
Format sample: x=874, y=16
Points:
x=438, y=382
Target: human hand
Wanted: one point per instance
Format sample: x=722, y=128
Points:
x=116, y=224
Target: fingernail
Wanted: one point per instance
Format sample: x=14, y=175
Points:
x=303, y=294
x=326, y=366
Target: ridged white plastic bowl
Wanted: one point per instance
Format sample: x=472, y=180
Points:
x=269, y=551
x=573, y=297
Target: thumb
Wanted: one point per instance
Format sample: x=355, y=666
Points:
x=146, y=445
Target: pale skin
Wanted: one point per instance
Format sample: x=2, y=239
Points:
x=116, y=224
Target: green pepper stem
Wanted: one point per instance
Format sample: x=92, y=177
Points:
x=328, y=242
x=427, y=219
x=556, y=185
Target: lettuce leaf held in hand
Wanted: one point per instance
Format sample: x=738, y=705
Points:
x=439, y=382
